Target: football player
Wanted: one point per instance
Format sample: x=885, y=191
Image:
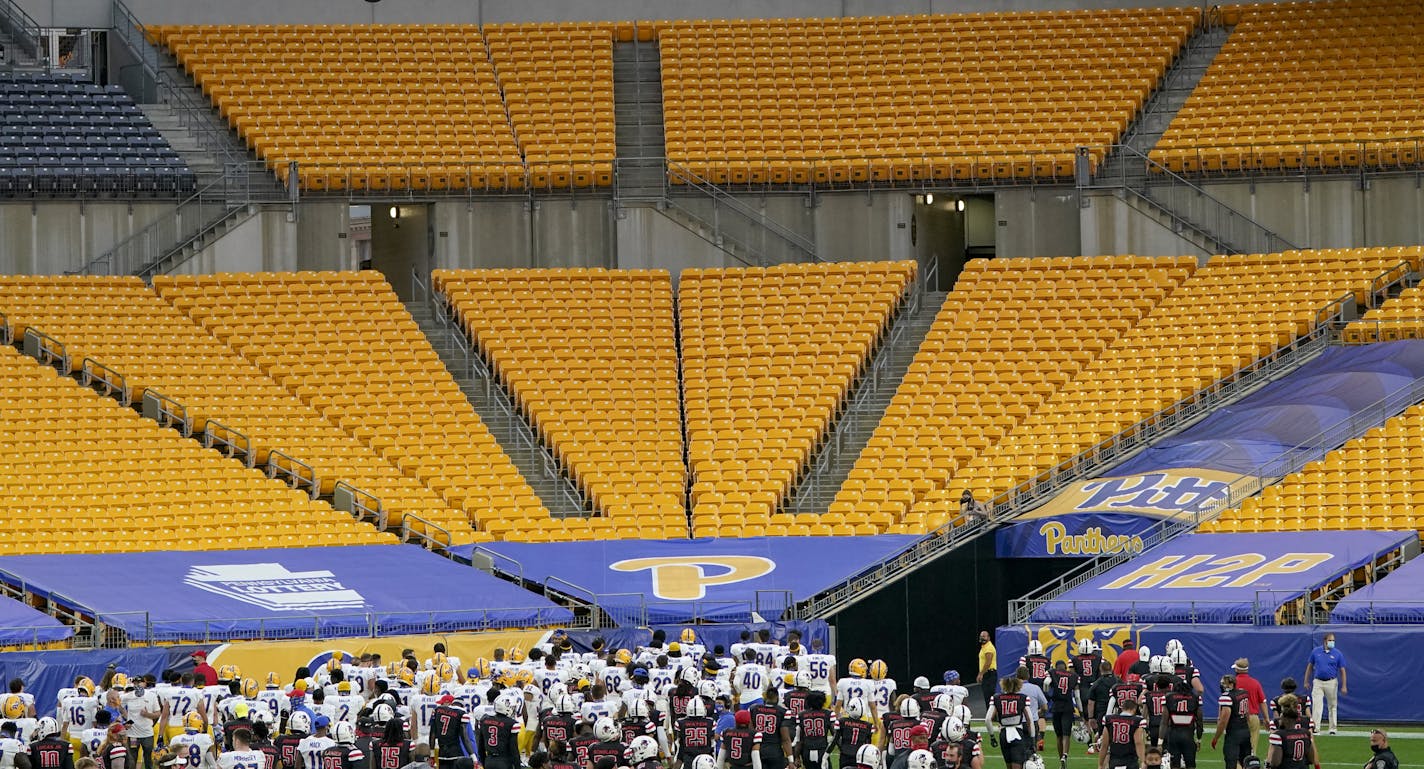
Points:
x=1182, y=725
x=1063, y=705
x=1088, y=664
x=853, y=731
x=695, y=734
x=14, y=709
x=558, y=723
x=422, y=707
x=1008, y=718
x=347, y=703
x=797, y=699
x=854, y=686
x=822, y=667
x=1124, y=739
x=690, y=647
x=897, y=725
x=77, y=711
x=242, y=755
x=815, y=725
x=951, y=686
x=194, y=744
x=50, y=749
x=275, y=701
x=608, y=744
x=298, y=726
x=1037, y=662
x=311, y=749
x=773, y=728
x=749, y=680
x=740, y=746
x=184, y=698
x=882, y=687
x=393, y=749
x=451, y=732
x=496, y=743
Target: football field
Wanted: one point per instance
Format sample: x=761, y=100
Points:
x=1351, y=747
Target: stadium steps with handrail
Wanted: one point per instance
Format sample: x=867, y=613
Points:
x=495, y=408
x=638, y=113
x=1112, y=451
x=871, y=397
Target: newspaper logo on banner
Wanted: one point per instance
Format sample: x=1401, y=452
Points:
x=271, y=586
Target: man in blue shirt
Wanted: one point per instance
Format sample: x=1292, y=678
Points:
x=1327, y=669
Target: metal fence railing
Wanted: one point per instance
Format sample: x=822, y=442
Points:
x=23, y=29
x=1266, y=608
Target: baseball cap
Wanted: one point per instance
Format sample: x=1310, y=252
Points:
x=742, y=718
x=1243, y=664
x=200, y=654
x=116, y=729
x=172, y=759
x=321, y=722
x=921, y=682
x=950, y=676
x=640, y=671
x=447, y=699
x=920, y=730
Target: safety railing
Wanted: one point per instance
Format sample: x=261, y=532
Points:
x=1295, y=160
x=229, y=442
x=498, y=561
x=479, y=178
x=97, y=180
x=7, y=334
x=23, y=29
x=1366, y=612
x=1236, y=490
x=362, y=505
x=47, y=350
x=39, y=637
x=1033, y=493
x=104, y=379
x=1373, y=330
x=1266, y=608
x=769, y=236
x=293, y=472
x=166, y=411
x=426, y=533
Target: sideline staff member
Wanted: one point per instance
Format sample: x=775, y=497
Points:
x=988, y=667
x=1327, y=669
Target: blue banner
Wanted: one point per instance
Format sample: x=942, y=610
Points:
x=710, y=580
x=291, y=593
x=1221, y=578
x=1199, y=468
x=1396, y=599
x=46, y=672
x=21, y=624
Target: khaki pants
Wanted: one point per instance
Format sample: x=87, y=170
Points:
x=1253, y=722
x=1323, y=694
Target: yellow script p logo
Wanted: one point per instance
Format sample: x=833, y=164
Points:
x=685, y=578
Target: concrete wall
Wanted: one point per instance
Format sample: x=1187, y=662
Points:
x=270, y=241
x=95, y=13
x=1036, y=222
x=648, y=239
x=507, y=233
x=1110, y=225
x=50, y=238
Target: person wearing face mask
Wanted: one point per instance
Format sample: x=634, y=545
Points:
x=1152, y=759
x=1383, y=757
x=1326, y=669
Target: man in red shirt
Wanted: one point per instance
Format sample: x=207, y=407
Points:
x=1255, y=698
x=1126, y=660
x=202, y=671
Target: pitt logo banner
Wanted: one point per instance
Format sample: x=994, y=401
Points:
x=686, y=578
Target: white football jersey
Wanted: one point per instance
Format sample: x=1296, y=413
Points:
x=91, y=739
x=422, y=708
x=883, y=691
x=62, y=695
x=750, y=681
x=659, y=679
x=472, y=696
x=956, y=692
x=197, y=747
x=767, y=654
x=182, y=700
x=9, y=748
x=347, y=707
x=310, y=749
x=77, y=714
x=211, y=696
x=614, y=678
x=275, y=702
x=851, y=687
x=545, y=679
x=693, y=651
x=592, y=710
x=820, y=666
x=25, y=729
x=242, y=759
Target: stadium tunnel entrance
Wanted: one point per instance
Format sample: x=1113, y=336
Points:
x=401, y=241
x=951, y=229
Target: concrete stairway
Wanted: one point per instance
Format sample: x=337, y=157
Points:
x=868, y=403
x=166, y=120
x=508, y=427
x=638, y=119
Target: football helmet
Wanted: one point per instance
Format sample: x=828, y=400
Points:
x=857, y=668
x=952, y=729
x=344, y=733
x=120, y=681
x=337, y=658
x=878, y=669
x=523, y=678
x=868, y=755
x=855, y=708
x=481, y=669
x=909, y=708
x=299, y=723
x=704, y=761
x=274, y=681
x=1178, y=657
x=431, y=685
x=1144, y=653
x=943, y=703
x=1035, y=646
x=688, y=636
x=344, y=687
x=437, y=659
x=922, y=759
x=708, y=689
x=46, y=727
x=393, y=669
x=249, y=688
x=406, y=676
x=1082, y=734
x=961, y=712
x=803, y=680
x=14, y=706
x=229, y=673
x=689, y=674
x=504, y=706
x=85, y=684
x=193, y=722
x=516, y=655
x=637, y=709
x=1034, y=761
x=605, y=730
x=696, y=707
x=1085, y=646
x=1158, y=664
x=261, y=715
x=623, y=657
x=565, y=704
x=642, y=748
x=382, y=713
x=1173, y=645
x=445, y=672
x=557, y=690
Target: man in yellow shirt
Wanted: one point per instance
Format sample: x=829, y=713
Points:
x=988, y=667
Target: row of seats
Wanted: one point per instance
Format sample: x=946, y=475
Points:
x=86, y=475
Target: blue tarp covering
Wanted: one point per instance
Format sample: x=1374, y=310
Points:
x=1252, y=436
x=21, y=624
x=708, y=635
x=1398, y=598
x=713, y=580
x=1373, y=654
x=1221, y=578
x=46, y=672
x=295, y=593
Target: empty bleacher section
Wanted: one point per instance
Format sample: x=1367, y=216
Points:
x=1230, y=313
x=83, y=474
x=64, y=137
x=122, y=324
x=369, y=108
x=1011, y=333
x=343, y=343
x=769, y=358
x=963, y=96
x=1331, y=84
x=590, y=358
x=557, y=81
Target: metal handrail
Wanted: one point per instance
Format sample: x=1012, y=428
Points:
x=166, y=411
x=1383, y=282
x=147, y=271
x=93, y=372
x=715, y=236
x=496, y=556
x=28, y=32
x=364, y=505
x=292, y=473
x=423, y=537
x=229, y=442
x=110, y=257
x=48, y=350
x=688, y=177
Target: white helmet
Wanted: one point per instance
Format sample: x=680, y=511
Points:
x=689, y=674
x=1172, y=646
x=696, y=707
x=382, y=713
x=1035, y=646
x=1034, y=761
x=261, y=715
x=803, y=680
x=704, y=761
x=952, y=729
x=1144, y=653
x=47, y=727
x=708, y=689
x=922, y=759
x=642, y=748
x=299, y=723
x=605, y=730
x=504, y=705
x=1159, y=664
x=565, y=704
x=855, y=708
x=868, y=755
x=961, y=712
x=1085, y=646
x=638, y=708
x=344, y=733
x=943, y=703
x=556, y=690
x=910, y=708
x=1178, y=656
